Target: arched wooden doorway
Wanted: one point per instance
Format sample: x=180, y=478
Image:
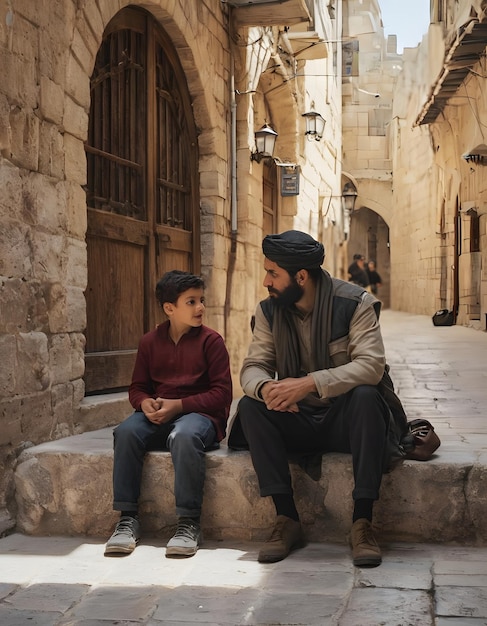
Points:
x=143, y=208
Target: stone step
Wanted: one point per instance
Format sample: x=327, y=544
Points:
x=64, y=487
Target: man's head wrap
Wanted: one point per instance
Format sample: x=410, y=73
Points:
x=294, y=250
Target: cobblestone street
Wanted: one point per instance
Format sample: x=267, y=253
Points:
x=440, y=374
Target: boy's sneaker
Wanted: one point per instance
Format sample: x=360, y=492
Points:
x=186, y=539
x=125, y=536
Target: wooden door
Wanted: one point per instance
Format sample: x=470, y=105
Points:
x=141, y=191
x=270, y=198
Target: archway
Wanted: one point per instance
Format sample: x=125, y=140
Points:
x=369, y=235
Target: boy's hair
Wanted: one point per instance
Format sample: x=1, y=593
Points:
x=173, y=283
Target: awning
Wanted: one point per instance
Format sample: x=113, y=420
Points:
x=462, y=55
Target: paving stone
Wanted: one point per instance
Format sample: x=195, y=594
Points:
x=461, y=601
x=302, y=609
x=460, y=621
x=118, y=603
x=208, y=605
x=387, y=607
x=407, y=574
x=315, y=582
x=13, y=617
x=6, y=589
x=462, y=580
x=46, y=597
x=463, y=566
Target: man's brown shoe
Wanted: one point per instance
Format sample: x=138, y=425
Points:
x=365, y=550
x=286, y=536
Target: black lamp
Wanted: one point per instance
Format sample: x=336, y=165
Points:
x=315, y=125
x=265, y=140
x=349, y=195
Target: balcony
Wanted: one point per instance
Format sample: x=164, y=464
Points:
x=271, y=12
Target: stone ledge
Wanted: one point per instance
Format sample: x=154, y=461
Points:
x=64, y=488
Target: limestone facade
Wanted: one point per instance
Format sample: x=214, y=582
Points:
x=239, y=75
x=439, y=223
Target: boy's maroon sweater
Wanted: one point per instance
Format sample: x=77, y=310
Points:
x=197, y=370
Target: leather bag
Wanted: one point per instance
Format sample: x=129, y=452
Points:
x=426, y=441
x=443, y=317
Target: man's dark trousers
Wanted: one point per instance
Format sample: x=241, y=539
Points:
x=354, y=423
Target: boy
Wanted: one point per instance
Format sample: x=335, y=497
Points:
x=181, y=391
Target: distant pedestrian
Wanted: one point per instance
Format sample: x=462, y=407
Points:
x=357, y=273
x=375, y=280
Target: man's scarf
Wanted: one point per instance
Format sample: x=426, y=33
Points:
x=286, y=340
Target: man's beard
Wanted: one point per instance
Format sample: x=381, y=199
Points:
x=291, y=294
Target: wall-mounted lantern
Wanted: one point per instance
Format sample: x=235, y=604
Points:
x=265, y=140
x=349, y=196
x=315, y=125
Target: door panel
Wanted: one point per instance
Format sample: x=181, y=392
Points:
x=112, y=343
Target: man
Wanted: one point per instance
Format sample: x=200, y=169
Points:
x=322, y=338
x=375, y=280
x=181, y=391
x=357, y=273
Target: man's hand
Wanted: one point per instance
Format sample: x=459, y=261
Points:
x=161, y=410
x=283, y=395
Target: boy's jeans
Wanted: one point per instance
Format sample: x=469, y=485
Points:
x=187, y=438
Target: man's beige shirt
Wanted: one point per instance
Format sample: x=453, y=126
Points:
x=358, y=358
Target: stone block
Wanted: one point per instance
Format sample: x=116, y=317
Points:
x=19, y=81
x=76, y=263
x=51, y=151
x=8, y=364
x=5, y=130
x=15, y=262
x=75, y=159
x=62, y=410
x=67, y=309
x=25, y=139
x=26, y=414
x=51, y=100
x=75, y=120
x=60, y=357
x=476, y=494
x=77, y=83
x=60, y=484
x=75, y=209
x=45, y=201
x=77, y=349
x=82, y=53
x=32, y=369
x=97, y=412
x=22, y=306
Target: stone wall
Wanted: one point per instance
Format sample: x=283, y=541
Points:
x=47, y=53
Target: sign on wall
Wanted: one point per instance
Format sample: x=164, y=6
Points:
x=289, y=180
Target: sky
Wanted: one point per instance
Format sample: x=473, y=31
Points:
x=409, y=20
